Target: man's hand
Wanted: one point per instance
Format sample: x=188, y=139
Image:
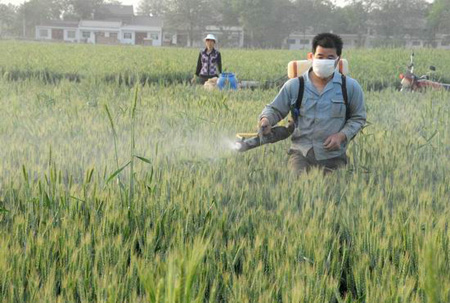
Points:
x=264, y=126
x=334, y=142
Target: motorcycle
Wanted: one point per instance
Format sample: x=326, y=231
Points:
x=411, y=82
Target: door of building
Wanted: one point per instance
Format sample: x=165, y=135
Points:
x=57, y=34
x=139, y=37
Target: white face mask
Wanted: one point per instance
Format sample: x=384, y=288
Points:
x=324, y=68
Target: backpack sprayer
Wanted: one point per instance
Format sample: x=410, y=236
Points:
x=247, y=141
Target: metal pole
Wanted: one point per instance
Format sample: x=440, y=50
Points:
x=24, y=30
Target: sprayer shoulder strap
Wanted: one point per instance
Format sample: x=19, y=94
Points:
x=345, y=95
x=301, y=91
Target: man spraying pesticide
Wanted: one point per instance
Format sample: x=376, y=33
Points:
x=327, y=110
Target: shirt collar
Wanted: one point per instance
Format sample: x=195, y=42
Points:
x=206, y=50
x=337, y=78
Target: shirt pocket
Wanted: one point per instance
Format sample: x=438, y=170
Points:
x=307, y=107
x=337, y=108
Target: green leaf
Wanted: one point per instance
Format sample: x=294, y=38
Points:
x=117, y=172
x=78, y=199
x=144, y=159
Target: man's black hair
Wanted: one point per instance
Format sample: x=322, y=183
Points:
x=328, y=40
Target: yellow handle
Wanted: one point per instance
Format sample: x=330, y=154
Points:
x=246, y=135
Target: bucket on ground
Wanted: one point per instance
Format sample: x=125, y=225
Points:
x=227, y=81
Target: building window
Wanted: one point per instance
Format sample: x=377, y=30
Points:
x=128, y=36
x=304, y=41
x=153, y=36
x=71, y=34
x=43, y=33
x=416, y=43
x=106, y=34
x=86, y=35
x=291, y=41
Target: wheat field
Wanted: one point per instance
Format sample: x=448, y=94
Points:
x=121, y=192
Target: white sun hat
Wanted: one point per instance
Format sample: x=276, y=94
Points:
x=210, y=37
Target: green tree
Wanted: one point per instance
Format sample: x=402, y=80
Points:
x=226, y=12
x=191, y=15
x=7, y=17
x=304, y=15
x=266, y=22
x=283, y=22
x=314, y=15
x=395, y=18
x=438, y=18
x=355, y=18
x=80, y=9
x=152, y=7
x=35, y=12
x=253, y=12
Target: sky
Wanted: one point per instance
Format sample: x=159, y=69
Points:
x=16, y=2
x=126, y=2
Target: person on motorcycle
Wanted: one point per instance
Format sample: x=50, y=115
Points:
x=330, y=114
x=209, y=63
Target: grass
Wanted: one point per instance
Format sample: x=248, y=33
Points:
x=193, y=221
x=375, y=69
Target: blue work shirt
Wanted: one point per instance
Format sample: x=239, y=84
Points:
x=321, y=114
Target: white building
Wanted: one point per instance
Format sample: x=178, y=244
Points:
x=58, y=31
x=104, y=32
x=141, y=30
x=117, y=24
x=299, y=41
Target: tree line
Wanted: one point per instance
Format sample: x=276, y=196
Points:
x=266, y=23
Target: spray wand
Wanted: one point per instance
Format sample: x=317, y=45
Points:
x=247, y=141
